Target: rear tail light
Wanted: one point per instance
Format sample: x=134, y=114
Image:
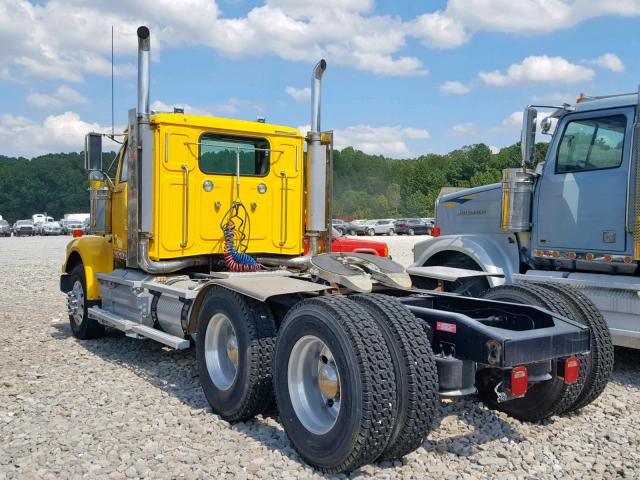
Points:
x=571, y=370
x=77, y=232
x=519, y=381
x=435, y=231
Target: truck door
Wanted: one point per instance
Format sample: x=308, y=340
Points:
x=582, y=193
x=119, y=204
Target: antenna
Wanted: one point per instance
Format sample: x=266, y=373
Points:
x=112, y=107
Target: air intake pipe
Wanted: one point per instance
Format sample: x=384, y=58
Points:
x=144, y=46
x=317, y=166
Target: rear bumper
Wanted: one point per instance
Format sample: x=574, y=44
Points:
x=532, y=334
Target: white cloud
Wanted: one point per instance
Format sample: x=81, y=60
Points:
x=536, y=69
x=609, y=61
x=66, y=40
x=63, y=95
x=494, y=149
x=389, y=141
x=467, y=130
x=554, y=97
x=439, y=30
x=160, y=106
x=57, y=133
x=454, y=88
x=513, y=123
x=534, y=16
x=411, y=132
x=230, y=107
x=299, y=94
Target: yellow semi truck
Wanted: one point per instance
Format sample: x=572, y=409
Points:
x=216, y=232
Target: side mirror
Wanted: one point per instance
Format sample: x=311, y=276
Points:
x=528, y=138
x=93, y=152
x=545, y=125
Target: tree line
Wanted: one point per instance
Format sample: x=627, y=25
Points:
x=372, y=186
x=364, y=186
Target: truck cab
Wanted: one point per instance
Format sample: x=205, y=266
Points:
x=572, y=219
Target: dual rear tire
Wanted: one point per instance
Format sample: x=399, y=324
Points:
x=354, y=378
x=553, y=397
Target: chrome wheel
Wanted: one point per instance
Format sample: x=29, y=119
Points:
x=75, y=303
x=314, y=384
x=221, y=351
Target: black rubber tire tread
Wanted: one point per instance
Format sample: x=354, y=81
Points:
x=378, y=381
x=600, y=363
x=416, y=373
x=559, y=396
x=262, y=338
x=89, y=328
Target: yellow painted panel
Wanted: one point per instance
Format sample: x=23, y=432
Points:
x=97, y=257
x=179, y=135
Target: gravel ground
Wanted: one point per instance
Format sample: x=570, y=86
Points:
x=123, y=408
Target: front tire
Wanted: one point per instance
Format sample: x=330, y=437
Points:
x=371, y=232
x=82, y=326
x=334, y=384
x=234, y=347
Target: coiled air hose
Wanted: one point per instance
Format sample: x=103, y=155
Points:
x=234, y=260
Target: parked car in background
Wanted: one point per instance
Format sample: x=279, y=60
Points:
x=340, y=225
x=5, y=228
x=431, y=222
x=51, y=228
x=23, y=228
x=412, y=226
x=383, y=227
x=71, y=225
x=363, y=227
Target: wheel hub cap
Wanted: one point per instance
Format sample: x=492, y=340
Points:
x=314, y=384
x=221, y=351
x=75, y=303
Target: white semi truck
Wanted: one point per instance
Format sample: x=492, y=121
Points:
x=572, y=220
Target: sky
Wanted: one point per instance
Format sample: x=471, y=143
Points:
x=404, y=77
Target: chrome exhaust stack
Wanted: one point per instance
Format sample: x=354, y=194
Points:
x=316, y=166
x=144, y=47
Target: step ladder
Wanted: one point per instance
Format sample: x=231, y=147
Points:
x=136, y=330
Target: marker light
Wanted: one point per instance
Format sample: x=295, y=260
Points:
x=77, y=232
x=571, y=370
x=435, y=232
x=519, y=381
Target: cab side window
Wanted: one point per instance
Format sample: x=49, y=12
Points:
x=592, y=144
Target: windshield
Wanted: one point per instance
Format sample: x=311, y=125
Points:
x=24, y=222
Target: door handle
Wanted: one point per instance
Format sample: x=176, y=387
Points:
x=284, y=210
x=185, y=221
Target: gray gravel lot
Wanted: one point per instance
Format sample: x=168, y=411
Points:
x=123, y=408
